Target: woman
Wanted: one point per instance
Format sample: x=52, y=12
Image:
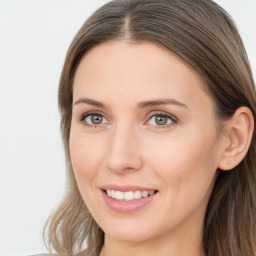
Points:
x=158, y=107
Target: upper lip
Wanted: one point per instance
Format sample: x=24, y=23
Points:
x=125, y=188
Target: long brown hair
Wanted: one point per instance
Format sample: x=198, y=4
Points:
x=204, y=36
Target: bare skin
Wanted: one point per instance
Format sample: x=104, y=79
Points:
x=171, y=144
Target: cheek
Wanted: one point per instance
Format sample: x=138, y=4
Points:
x=85, y=151
x=187, y=163
x=187, y=171
x=86, y=156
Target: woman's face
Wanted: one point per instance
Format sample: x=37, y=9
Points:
x=142, y=121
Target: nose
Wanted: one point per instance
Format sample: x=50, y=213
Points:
x=124, y=151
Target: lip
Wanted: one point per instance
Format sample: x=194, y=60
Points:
x=126, y=206
x=125, y=188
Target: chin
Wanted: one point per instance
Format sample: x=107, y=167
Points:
x=129, y=233
x=128, y=237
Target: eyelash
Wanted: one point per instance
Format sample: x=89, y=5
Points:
x=84, y=116
x=173, y=119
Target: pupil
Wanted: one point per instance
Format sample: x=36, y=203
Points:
x=161, y=120
x=96, y=119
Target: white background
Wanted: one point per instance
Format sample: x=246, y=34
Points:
x=34, y=37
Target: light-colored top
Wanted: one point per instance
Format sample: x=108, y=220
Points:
x=41, y=254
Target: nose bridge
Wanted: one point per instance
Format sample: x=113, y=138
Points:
x=124, y=153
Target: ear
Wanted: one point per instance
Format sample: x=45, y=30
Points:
x=237, y=138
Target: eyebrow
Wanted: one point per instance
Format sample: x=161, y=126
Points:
x=90, y=102
x=158, y=102
x=141, y=105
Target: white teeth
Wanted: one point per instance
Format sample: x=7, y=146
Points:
x=119, y=195
x=144, y=193
x=129, y=195
x=113, y=193
x=151, y=192
x=137, y=195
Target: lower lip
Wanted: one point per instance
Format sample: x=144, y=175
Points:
x=127, y=206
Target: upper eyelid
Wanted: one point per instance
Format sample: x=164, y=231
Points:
x=93, y=113
x=156, y=112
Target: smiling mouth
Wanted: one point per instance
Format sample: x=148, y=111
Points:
x=129, y=195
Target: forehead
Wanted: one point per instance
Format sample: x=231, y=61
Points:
x=119, y=69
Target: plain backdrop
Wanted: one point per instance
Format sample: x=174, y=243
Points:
x=34, y=37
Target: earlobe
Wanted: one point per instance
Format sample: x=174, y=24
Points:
x=239, y=130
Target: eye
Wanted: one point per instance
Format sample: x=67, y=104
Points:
x=94, y=119
x=161, y=120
